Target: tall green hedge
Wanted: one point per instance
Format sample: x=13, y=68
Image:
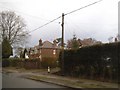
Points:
x=96, y=62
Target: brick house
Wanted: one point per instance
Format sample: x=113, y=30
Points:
x=82, y=43
x=88, y=42
x=44, y=49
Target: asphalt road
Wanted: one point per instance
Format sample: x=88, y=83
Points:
x=12, y=80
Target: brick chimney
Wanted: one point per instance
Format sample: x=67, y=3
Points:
x=40, y=42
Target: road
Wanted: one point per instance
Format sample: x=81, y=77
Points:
x=12, y=80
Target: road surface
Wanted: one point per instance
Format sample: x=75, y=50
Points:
x=12, y=80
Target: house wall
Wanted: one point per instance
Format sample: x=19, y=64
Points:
x=46, y=52
x=49, y=52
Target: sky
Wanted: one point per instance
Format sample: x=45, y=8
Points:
x=99, y=21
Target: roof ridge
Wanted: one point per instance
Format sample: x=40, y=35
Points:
x=47, y=41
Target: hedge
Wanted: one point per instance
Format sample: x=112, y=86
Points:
x=30, y=63
x=6, y=62
x=95, y=62
x=49, y=61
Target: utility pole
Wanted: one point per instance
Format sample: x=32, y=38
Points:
x=62, y=58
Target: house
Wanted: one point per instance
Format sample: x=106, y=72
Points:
x=44, y=49
x=89, y=42
x=82, y=43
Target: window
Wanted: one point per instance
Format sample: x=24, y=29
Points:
x=54, y=52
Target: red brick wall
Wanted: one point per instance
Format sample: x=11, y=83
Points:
x=46, y=52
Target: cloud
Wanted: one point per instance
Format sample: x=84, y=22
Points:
x=98, y=21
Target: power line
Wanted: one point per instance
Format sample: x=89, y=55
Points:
x=65, y=15
x=60, y=16
x=82, y=7
x=45, y=24
x=36, y=17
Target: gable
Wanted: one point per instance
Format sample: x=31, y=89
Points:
x=47, y=44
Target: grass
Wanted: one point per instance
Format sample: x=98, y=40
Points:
x=68, y=81
x=63, y=81
x=23, y=69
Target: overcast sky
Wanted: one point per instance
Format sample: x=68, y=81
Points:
x=99, y=21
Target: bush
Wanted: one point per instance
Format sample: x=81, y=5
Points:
x=32, y=63
x=6, y=62
x=6, y=48
x=98, y=61
x=49, y=61
x=15, y=62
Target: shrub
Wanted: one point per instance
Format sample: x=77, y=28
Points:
x=98, y=61
x=32, y=63
x=49, y=61
x=6, y=62
x=6, y=48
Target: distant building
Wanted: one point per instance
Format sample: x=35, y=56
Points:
x=89, y=42
x=83, y=43
x=44, y=49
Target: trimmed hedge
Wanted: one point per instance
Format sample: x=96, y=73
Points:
x=6, y=62
x=49, y=61
x=30, y=63
x=19, y=62
x=95, y=62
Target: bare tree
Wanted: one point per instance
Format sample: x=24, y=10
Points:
x=18, y=51
x=12, y=27
x=110, y=39
x=73, y=43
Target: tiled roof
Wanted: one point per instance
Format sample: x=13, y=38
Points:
x=47, y=44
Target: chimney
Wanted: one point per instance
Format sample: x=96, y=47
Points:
x=40, y=42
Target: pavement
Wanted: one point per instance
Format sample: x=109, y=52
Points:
x=71, y=82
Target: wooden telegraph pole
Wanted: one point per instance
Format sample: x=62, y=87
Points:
x=62, y=58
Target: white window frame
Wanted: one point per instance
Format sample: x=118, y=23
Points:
x=54, y=52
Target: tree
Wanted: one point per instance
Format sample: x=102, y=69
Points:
x=58, y=40
x=110, y=39
x=19, y=51
x=90, y=41
x=73, y=43
x=25, y=51
x=6, y=48
x=12, y=27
